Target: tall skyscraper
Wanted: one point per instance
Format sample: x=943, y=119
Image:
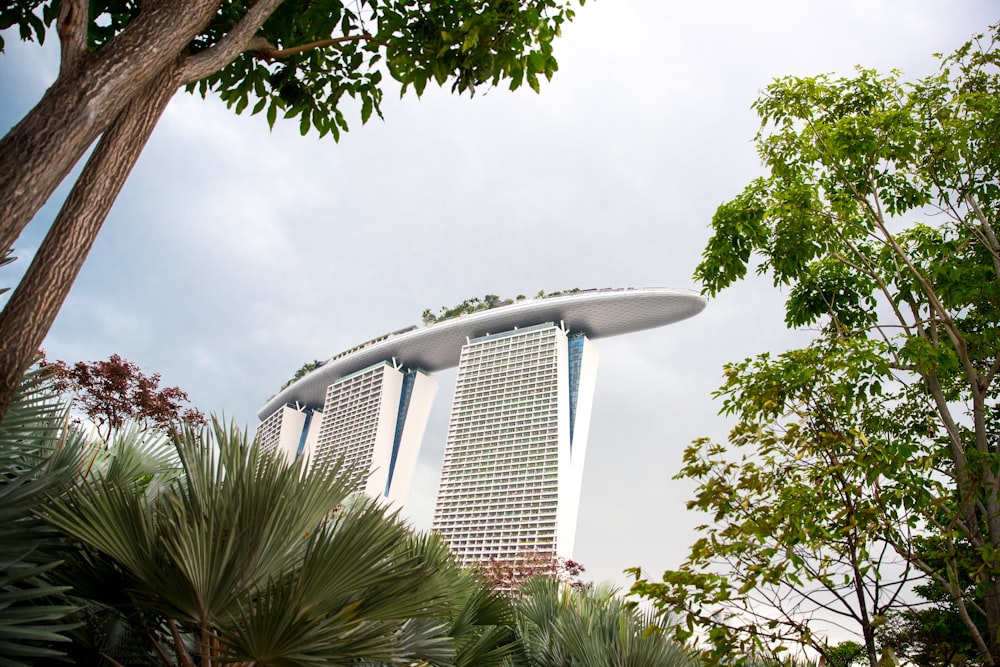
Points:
x=517, y=438
x=513, y=463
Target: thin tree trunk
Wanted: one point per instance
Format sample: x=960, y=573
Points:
x=34, y=304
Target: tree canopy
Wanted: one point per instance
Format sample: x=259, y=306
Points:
x=115, y=391
x=122, y=61
x=876, y=216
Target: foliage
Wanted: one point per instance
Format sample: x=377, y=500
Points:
x=488, y=302
x=846, y=653
x=117, y=391
x=508, y=575
x=38, y=453
x=877, y=216
x=473, y=305
x=248, y=557
x=198, y=547
x=932, y=633
x=591, y=627
x=542, y=294
x=478, y=619
x=310, y=55
x=931, y=636
x=311, y=61
x=304, y=370
x=796, y=506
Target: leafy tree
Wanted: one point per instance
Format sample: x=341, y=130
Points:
x=475, y=304
x=846, y=654
x=304, y=370
x=877, y=214
x=796, y=512
x=116, y=391
x=932, y=633
x=122, y=61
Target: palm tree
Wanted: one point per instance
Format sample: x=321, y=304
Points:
x=565, y=626
x=479, y=620
x=246, y=557
x=38, y=453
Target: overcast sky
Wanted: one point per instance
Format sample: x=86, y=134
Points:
x=235, y=253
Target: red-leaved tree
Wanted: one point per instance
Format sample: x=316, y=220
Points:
x=508, y=575
x=115, y=391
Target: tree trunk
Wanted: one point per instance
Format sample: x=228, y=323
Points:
x=40, y=294
x=38, y=152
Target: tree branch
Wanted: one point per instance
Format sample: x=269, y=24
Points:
x=991, y=238
x=83, y=102
x=263, y=49
x=71, y=26
x=236, y=41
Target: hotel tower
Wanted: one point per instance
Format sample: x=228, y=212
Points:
x=513, y=460
x=517, y=437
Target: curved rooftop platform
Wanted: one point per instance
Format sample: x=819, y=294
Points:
x=596, y=313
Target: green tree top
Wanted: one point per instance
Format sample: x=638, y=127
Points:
x=307, y=55
x=877, y=216
x=304, y=370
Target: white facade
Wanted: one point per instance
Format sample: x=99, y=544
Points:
x=372, y=420
x=510, y=482
x=412, y=424
x=282, y=431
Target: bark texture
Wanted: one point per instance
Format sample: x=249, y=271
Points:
x=33, y=306
x=118, y=94
x=87, y=96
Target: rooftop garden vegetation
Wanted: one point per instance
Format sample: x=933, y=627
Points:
x=488, y=302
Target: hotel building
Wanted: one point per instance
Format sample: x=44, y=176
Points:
x=513, y=460
x=517, y=436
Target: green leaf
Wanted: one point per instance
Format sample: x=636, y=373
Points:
x=366, y=108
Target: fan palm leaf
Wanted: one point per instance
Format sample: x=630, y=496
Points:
x=562, y=626
x=38, y=453
x=359, y=584
x=260, y=559
x=479, y=620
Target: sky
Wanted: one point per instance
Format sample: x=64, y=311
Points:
x=235, y=254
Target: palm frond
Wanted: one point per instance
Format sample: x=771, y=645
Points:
x=38, y=454
x=592, y=627
x=361, y=593
x=261, y=558
x=480, y=620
